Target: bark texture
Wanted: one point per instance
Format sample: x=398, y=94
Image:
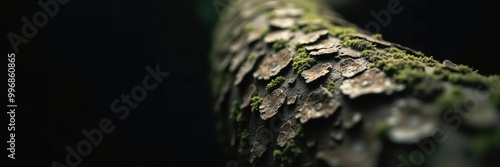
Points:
x=295, y=85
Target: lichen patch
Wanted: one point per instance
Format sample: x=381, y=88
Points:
x=311, y=37
x=351, y=67
x=316, y=72
x=325, y=44
x=372, y=81
x=271, y=104
x=348, y=52
x=319, y=103
x=273, y=64
x=286, y=133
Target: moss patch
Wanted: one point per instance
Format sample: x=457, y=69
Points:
x=302, y=61
x=359, y=44
x=252, y=56
x=377, y=36
x=343, y=33
x=235, y=113
x=331, y=87
x=275, y=83
x=280, y=44
x=369, y=53
x=256, y=102
x=312, y=27
x=382, y=128
x=287, y=156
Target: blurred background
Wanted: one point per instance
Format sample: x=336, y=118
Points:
x=95, y=50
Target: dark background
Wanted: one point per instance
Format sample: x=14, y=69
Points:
x=95, y=50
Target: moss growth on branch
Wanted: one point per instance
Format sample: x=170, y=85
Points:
x=280, y=44
x=275, y=83
x=377, y=36
x=302, y=61
x=256, y=102
x=359, y=44
x=331, y=87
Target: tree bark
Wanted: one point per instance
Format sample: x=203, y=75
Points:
x=296, y=85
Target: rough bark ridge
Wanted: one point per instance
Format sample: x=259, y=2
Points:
x=295, y=85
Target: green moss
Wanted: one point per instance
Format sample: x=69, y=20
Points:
x=393, y=65
x=277, y=153
x=403, y=67
x=256, y=102
x=382, y=128
x=464, y=69
x=393, y=50
x=235, y=113
x=275, y=83
x=411, y=70
x=302, y=61
x=252, y=56
x=288, y=155
x=410, y=76
x=463, y=75
x=359, y=44
x=401, y=54
x=294, y=28
x=299, y=131
x=369, y=53
x=343, y=33
x=377, y=36
x=331, y=87
x=280, y=44
x=243, y=136
x=312, y=27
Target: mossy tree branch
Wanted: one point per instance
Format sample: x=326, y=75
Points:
x=328, y=93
